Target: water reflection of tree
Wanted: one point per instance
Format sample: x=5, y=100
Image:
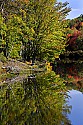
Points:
x=72, y=72
x=34, y=102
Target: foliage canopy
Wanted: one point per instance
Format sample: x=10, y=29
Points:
x=35, y=29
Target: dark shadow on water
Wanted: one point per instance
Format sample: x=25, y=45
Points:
x=72, y=72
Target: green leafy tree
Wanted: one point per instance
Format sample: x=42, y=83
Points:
x=15, y=28
x=14, y=14
x=36, y=28
x=47, y=38
x=3, y=30
x=62, y=9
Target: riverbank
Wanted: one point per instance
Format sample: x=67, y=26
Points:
x=13, y=70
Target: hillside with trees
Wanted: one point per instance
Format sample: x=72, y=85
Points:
x=75, y=34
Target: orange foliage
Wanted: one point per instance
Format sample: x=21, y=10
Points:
x=81, y=24
x=26, y=1
x=69, y=76
x=76, y=78
x=68, y=35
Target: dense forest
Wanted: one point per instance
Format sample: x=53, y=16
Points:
x=33, y=30
x=38, y=30
x=75, y=34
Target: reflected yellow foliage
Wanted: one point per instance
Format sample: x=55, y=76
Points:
x=48, y=66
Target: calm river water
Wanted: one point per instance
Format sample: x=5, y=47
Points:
x=76, y=101
x=73, y=73
x=38, y=101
